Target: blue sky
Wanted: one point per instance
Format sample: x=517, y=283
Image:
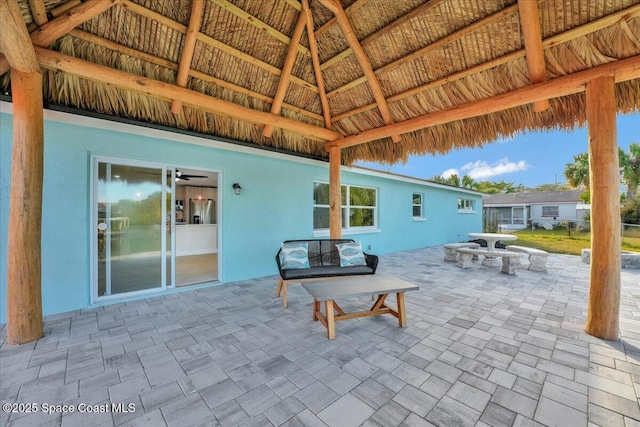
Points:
x=529, y=158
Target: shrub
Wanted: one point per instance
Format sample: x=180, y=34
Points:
x=630, y=212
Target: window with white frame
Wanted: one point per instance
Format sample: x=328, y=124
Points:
x=359, y=207
x=418, y=211
x=465, y=205
x=550, y=211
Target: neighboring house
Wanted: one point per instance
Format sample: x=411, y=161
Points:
x=522, y=210
x=108, y=237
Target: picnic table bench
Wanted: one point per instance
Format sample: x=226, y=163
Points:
x=328, y=291
x=508, y=266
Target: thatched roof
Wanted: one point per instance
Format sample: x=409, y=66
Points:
x=424, y=57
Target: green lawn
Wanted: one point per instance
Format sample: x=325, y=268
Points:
x=558, y=241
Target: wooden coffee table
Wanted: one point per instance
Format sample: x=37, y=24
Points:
x=330, y=290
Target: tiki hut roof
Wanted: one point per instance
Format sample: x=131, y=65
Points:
x=344, y=73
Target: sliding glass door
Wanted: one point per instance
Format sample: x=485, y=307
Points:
x=133, y=212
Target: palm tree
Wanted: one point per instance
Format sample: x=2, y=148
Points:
x=577, y=173
x=630, y=169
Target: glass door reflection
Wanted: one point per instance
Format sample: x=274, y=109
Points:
x=132, y=229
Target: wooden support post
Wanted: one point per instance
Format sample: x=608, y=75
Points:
x=24, y=294
x=604, y=174
x=335, y=194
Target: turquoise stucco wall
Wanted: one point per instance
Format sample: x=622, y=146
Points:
x=276, y=204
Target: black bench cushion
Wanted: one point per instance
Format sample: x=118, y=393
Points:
x=326, y=271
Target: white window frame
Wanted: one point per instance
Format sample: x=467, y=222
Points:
x=346, y=229
x=419, y=217
x=557, y=210
x=467, y=205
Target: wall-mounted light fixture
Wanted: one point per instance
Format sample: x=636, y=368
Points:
x=237, y=188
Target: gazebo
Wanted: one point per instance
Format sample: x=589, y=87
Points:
x=345, y=80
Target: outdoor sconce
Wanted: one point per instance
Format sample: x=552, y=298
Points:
x=237, y=188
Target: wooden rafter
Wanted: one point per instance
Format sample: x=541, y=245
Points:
x=530, y=21
x=38, y=12
x=101, y=74
x=423, y=8
x=333, y=21
x=625, y=69
x=148, y=13
x=126, y=50
x=574, y=33
x=289, y=62
x=326, y=112
x=58, y=27
x=430, y=47
x=189, y=46
x=252, y=20
x=365, y=64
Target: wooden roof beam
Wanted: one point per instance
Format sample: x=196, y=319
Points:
x=384, y=30
x=60, y=26
x=572, y=34
x=326, y=112
x=469, y=29
x=333, y=21
x=38, y=12
x=14, y=39
x=210, y=41
x=534, y=52
x=623, y=70
x=189, y=46
x=289, y=62
x=365, y=64
x=126, y=50
x=133, y=82
x=252, y=20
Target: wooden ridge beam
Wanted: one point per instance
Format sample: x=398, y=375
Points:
x=365, y=64
x=326, y=112
x=126, y=50
x=189, y=46
x=252, y=20
x=101, y=74
x=289, y=62
x=60, y=26
x=14, y=40
x=623, y=70
x=534, y=52
x=607, y=21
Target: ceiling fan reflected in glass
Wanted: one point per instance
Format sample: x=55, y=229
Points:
x=185, y=177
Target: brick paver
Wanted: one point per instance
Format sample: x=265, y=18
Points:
x=481, y=349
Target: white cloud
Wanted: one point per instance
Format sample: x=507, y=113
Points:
x=446, y=174
x=483, y=170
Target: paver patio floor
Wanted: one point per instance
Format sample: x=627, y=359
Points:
x=481, y=349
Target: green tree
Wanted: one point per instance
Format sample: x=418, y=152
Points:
x=468, y=182
x=630, y=169
x=577, y=174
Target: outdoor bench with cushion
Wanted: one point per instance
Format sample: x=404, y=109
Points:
x=312, y=259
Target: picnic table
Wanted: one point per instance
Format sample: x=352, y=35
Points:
x=330, y=290
x=491, y=260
